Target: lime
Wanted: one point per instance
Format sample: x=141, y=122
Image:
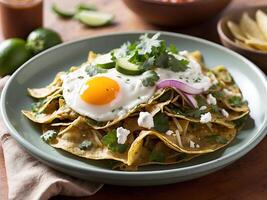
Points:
x=94, y=18
x=41, y=39
x=13, y=53
x=62, y=13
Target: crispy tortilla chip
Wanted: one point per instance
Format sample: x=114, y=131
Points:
x=62, y=113
x=236, y=31
x=261, y=19
x=40, y=93
x=250, y=28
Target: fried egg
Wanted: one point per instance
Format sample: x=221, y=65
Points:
x=109, y=95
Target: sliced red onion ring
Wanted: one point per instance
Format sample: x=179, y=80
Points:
x=191, y=100
x=179, y=85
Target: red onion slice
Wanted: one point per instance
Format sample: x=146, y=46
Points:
x=191, y=100
x=179, y=85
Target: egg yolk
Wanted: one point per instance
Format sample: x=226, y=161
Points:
x=100, y=91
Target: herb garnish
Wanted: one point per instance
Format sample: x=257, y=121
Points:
x=49, y=135
x=151, y=77
x=161, y=122
x=37, y=105
x=150, y=52
x=236, y=101
x=94, y=70
x=110, y=140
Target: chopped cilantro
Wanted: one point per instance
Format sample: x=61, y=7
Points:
x=93, y=70
x=110, y=140
x=49, y=135
x=177, y=65
x=156, y=156
x=201, y=101
x=236, y=101
x=80, y=77
x=151, y=77
x=217, y=138
x=194, y=113
x=162, y=60
x=165, y=97
x=150, y=52
x=215, y=109
x=37, y=105
x=241, y=121
x=146, y=44
x=161, y=122
x=85, y=145
x=218, y=94
x=172, y=48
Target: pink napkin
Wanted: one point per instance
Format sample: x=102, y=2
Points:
x=30, y=179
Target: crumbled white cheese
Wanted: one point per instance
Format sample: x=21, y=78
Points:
x=225, y=113
x=169, y=132
x=214, y=80
x=205, y=118
x=197, y=146
x=211, y=100
x=122, y=135
x=203, y=108
x=145, y=120
x=230, y=93
x=191, y=144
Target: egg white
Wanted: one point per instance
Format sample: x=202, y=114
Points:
x=132, y=92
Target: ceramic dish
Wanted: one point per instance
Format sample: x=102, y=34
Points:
x=258, y=57
x=42, y=68
x=176, y=14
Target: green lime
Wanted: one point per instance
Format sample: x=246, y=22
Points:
x=13, y=53
x=62, y=13
x=41, y=39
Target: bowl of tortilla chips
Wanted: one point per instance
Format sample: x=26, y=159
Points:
x=245, y=31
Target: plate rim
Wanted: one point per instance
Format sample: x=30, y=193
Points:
x=206, y=166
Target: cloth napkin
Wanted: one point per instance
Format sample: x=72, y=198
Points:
x=30, y=179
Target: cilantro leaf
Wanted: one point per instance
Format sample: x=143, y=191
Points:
x=151, y=77
x=177, y=65
x=201, y=101
x=94, y=70
x=86, y=144
x=110, y=140
x=146, y=44
x=48, y=136
x=217, y=138
x=172, y=48
x=241, y=121
x=157, y=156
x=162, y=60
x=37, y=105
x=161, y=122
x=236, y=101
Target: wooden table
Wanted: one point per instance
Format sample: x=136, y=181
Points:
x=245, y=179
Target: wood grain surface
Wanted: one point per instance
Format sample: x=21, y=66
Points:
x=245, y=179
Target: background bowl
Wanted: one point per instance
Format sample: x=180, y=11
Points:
x=176, y=14
x=227, y=39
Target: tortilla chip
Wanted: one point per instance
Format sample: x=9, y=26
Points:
x=236, y=31
x=250, y=28
x=261, y=19
x=40, y=93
